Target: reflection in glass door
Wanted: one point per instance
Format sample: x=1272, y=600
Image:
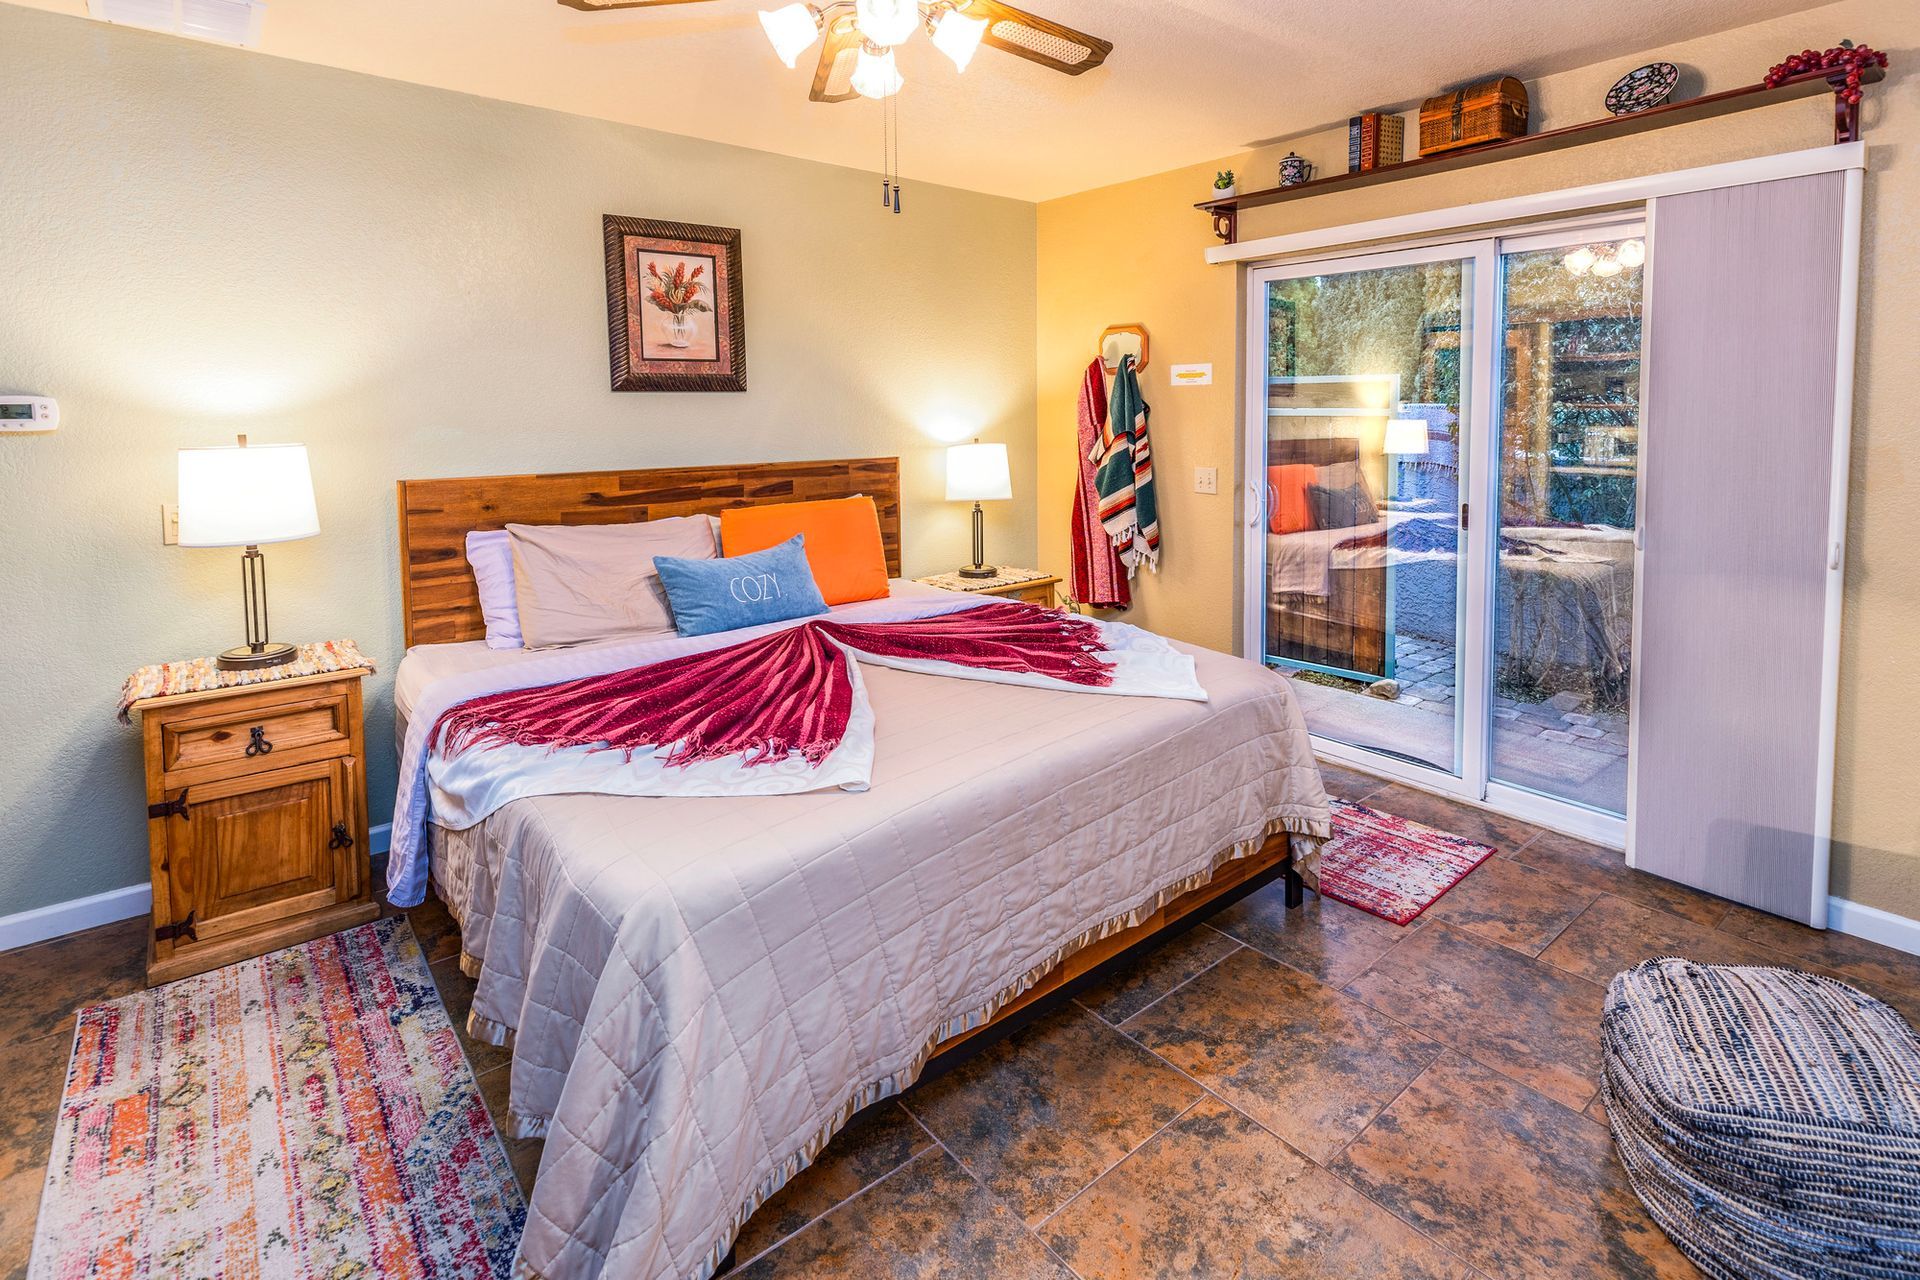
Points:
x=1358, y=495
x=1568, y=464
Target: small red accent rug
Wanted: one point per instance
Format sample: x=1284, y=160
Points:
x=307, y=1115
x=1389, y=866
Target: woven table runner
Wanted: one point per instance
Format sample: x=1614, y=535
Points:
x=198, y=675
x=1005, y=578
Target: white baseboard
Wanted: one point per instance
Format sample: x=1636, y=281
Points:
x=1873, y=924
x=24, y=928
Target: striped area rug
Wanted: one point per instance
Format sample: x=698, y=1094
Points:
x=1391, y=867
x=307, y=1115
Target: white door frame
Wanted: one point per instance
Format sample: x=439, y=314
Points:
x=1482, y=321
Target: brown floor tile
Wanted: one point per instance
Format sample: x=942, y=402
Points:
x=1327, y=939
x=1045, y=1112
x=41, y=986
x=31, y=1085
x=1523, y=1018
x=524, y=1155
x=1214, y=1196
x=495, y=1086
x=1591, y=868
x=1892, y=974
x=433, y=925
x=456, y=992
x=1510, y=904
x=1166, y=967
x=1348, y=784
x=1309, y=1062
x=1614, y=934
x=1514, y=1184
x=878, y=1141
x=928, y=1221
x=1503, y=833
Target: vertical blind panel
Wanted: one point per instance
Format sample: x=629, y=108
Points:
x=1743, y=298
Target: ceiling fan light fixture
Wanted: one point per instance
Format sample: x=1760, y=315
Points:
x=875, y=75
x=887, y=22
x=957, y=35
x=792, y=30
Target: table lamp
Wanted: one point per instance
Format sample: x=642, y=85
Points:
x=978, y=473
x=236, y=496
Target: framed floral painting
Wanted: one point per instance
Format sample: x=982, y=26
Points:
x=675, y=320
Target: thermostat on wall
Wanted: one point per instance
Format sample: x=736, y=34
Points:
x=21, y=414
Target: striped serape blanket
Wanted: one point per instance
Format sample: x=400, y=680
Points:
x=1128, y=509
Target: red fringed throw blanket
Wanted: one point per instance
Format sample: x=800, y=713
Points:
x=785, y=694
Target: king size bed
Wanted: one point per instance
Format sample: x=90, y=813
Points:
x=700, y=989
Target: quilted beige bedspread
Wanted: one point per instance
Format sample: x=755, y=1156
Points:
x=701, y=991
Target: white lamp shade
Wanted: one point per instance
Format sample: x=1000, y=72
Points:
x=978, y=473
x=876, y=75
x=239, y=496
x=958, y=36
x=792, y=29
x=1406, y=435
x=887, y=22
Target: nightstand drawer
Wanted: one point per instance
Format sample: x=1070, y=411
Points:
x=265, y=735
x=1040, y=593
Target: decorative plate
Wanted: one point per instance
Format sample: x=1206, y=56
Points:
x=1643, y=87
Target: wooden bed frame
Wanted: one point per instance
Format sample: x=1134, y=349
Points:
x=1347, y=628
x=442, y=604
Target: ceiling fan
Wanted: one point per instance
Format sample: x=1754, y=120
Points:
x=857, y=59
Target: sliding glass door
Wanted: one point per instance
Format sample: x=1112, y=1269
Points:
x=1440, y=526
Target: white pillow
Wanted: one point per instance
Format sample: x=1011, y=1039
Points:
x=490, y=553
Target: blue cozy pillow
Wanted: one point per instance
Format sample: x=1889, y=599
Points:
x=745, y=591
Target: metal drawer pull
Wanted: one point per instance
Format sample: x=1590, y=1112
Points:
x=342, y=838
x=258, y=745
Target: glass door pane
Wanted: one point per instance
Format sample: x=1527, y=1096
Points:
x=1362, y=585
x=1568, y=462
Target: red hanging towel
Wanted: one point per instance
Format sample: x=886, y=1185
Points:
x=1098, y=578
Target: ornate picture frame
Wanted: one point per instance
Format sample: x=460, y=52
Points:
x=676, y=319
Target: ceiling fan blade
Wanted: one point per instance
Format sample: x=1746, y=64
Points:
x=1022, y=34
x=839, y=50
x=600, y=6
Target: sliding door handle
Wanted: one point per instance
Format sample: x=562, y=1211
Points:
x=1254, y=499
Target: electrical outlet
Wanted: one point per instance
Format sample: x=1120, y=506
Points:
x=1206, y=480
x=169, y=524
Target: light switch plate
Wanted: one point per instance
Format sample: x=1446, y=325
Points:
x=1206, y=479
x=169, y=524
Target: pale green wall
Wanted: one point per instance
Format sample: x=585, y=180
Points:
x=196, y=241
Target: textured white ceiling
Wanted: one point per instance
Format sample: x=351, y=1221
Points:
x=1188, y=81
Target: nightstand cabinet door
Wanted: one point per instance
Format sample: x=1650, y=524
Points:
x=256, y=850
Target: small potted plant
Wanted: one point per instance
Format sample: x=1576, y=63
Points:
x=1223, y=185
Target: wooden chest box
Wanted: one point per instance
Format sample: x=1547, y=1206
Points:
x=1487, y=111
x=256, y=820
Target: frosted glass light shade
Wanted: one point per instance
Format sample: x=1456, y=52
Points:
x=958, y=36
x=875, y=75
x=887, y=22
x=978, y=473
x=239, y=496
x=792, y=30
x=1405, y=435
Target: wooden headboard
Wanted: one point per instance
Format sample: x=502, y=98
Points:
x=1320, y=451
x=438, y=597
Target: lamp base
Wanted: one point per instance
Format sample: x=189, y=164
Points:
x=979, y=571
x=247, y=658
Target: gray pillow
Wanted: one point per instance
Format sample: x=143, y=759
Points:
x=1346, y=508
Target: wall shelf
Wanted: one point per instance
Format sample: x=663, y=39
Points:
x=1846, y=128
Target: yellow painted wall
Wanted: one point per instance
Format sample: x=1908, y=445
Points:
x=1132, y=253
x=196, y=241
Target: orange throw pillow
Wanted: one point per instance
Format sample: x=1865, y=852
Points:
x=1287, y=510
x=842, y=541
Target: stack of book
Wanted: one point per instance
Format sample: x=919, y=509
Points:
x=1373, y=139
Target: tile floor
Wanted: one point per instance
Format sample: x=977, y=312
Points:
x=1306, y=1094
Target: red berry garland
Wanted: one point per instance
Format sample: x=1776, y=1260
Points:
x=1845, y=56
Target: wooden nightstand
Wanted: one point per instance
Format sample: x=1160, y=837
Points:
x=256, y=819
x=1029, y=585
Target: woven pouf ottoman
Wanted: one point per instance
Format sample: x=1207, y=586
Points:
x=1769, y=1119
